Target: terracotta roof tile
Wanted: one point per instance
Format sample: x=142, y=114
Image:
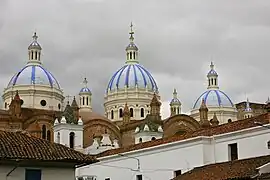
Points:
x=221, y=129
x=19, y=145
x=227, y=170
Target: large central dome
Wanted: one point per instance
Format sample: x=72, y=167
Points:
x=132, y=84
x=131, y=76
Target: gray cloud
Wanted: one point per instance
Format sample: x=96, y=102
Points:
x=177, y=40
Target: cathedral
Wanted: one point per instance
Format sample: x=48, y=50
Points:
x=33, y=101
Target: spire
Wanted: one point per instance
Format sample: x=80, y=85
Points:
x=212, y=77
x=131, y=49
x=247, y=109
x=74, y=103
x=174, y=94
x=34, y=51
x=204, y=115
x=155, y=105
x=214, y=121
x=126, y=114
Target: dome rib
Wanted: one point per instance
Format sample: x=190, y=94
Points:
x=144, y=79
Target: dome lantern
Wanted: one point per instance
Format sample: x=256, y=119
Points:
x=131, y=49
x=212, y=78
x=34, y=51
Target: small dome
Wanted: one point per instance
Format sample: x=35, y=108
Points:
x=175, y=101
x=214, y=98
x=212, y=71
x=85, y=90
x=33, y=74
x=132, y=75
x=34, y=44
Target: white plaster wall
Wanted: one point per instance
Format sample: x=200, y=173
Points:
x=250, y=144
x=46, y=173
x=158, y=164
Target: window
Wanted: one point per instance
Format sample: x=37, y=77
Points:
x=59, y=106
x=49, y=135
x=71, y=139
x=32, y=174
x=153, y=138
x=43, y=132
x=139, y=177
x=58, y=137
x=268, y=144
x=131, y=112
x=229, y=120
x=120, y=113
x=87, y=101
x=83, y=100
x=140, y=140
x=107, y=178
x=43, y=103
x=142, y=112
x=177, y=173
x=21, y=102
x=233, y=152
x=112, y=114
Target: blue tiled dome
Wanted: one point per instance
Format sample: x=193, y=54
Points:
x=175, y=101
x=214, y=98
x=33, y=74
x=85, y=90
x=130, y=75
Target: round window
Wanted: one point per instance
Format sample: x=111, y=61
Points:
x=21, y=102
x=43, y=103
x=59, y=106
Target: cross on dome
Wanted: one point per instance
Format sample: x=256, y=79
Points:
x=85, y=82
x=131, y=32
x=35, y=37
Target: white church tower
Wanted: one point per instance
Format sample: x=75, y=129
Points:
x=68, y=133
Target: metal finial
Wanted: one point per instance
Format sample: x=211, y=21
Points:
x=131, y=32
x=35, y=37
x=212, y=65
x=85, y=82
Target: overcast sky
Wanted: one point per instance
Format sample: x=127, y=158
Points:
x=177, y=40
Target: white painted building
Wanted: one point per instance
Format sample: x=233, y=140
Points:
x=162, y=159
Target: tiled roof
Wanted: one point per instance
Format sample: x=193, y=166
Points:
x=227, y=170
x=22, y=146
x=221, y=129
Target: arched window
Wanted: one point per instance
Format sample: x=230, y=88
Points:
x=127, y=57
x=83, y=100
x=32, y=55
x=208, y=82
x=71, y=139
x=131, y=112
x=212, y=81
x=36, y=55
x=140, y=140
x=43, y=132
x=153, y=138
x=215, y=81
x=112, y=114
x=39, y=56
x=130, y=55
x=49, y=135
x=142, y=112
x=87, y=101
x=120, y=113
x=134, y=56
x=58, y=137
